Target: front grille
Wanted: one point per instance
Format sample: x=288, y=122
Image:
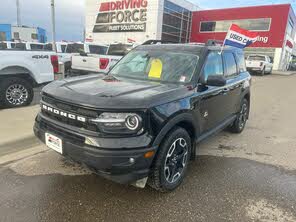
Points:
x=72, y=109
x=79, y=140
x=69, y=107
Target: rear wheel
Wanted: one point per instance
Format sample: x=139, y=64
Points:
x=241, y=119
x=15, y=92
x=171, y=163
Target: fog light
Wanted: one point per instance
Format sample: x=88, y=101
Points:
x=131, y=160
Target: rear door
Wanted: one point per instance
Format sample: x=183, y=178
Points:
x=234, y=65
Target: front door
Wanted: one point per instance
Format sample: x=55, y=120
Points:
x=212, y=106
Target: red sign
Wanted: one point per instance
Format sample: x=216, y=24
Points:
x=272, y=38
x=123, y=5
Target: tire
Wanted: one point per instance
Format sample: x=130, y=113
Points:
x=263, y=72
x=15, y=92
x=161, y=177
x=240, y=122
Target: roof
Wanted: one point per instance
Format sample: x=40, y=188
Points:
x=190, y=48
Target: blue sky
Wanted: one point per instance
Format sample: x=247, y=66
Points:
x=70, y=13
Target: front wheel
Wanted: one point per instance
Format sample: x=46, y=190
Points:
x=241, y=119
x=171, y=163
x=15, y=92
x=263, y=72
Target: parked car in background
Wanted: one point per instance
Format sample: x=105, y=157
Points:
x=261, y=64
x=99, y=58
x=21, y=71
x=64, y=58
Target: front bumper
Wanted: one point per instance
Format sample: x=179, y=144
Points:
x=112, y=163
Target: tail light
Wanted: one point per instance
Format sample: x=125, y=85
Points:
x=55, y=63
x=104, y=63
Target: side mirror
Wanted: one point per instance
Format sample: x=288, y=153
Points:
x=215, y=80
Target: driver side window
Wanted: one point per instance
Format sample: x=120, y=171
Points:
x=213, y=65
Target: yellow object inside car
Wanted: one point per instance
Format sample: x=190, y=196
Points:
x=155, y=69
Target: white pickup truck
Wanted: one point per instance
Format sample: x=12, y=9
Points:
x=21, y=71
x=99, y=58
x=259, y=63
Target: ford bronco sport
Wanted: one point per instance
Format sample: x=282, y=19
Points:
x=141, y=122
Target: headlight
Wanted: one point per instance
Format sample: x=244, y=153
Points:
x=119, y=123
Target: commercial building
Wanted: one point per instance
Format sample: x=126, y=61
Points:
x=22, y=33
x=138, y=20
x=275, y=25
x=110, y=21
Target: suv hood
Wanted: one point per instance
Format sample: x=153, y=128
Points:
x=100, y=91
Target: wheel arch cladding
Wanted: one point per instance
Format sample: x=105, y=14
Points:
x=185, y=121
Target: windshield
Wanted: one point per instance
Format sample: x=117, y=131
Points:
x=256, y=58
x=160, y=66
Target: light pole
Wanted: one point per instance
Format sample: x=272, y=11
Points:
x=53, y=26
x=18, y=13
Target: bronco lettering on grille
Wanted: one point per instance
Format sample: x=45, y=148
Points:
x=63, y=113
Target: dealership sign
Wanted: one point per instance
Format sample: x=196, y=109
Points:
x=122, y=16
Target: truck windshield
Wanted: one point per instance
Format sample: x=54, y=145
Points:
x=75, y=48
x=256, y=58
x=162, y=66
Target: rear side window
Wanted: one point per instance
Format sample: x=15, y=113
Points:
x=20, y=46
x=37, y=47
x=3, y=46
x=75, y=48
x=241, y=62
x=230, y=64
x=213, y=65
x=48, y=47
x=96, y=49
x=63, y=48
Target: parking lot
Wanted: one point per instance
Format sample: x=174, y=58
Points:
x=246, y=177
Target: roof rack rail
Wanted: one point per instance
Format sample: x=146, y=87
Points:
x=155, y=42
x=214, y=42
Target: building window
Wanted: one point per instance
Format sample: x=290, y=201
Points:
x=16, y=35
x=290, y=28
x=176, y=23
x=34, y=36
x=262, y=24
x=2, y=36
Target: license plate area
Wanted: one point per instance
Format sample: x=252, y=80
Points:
x=54, y=142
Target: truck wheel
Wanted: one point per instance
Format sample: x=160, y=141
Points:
x=15, y=92
x=263, y=72
x=241, y=119
x=171, y=163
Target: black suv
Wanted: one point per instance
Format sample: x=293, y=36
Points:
x=142, y=121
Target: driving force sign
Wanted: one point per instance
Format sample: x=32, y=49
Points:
x=122, y=16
